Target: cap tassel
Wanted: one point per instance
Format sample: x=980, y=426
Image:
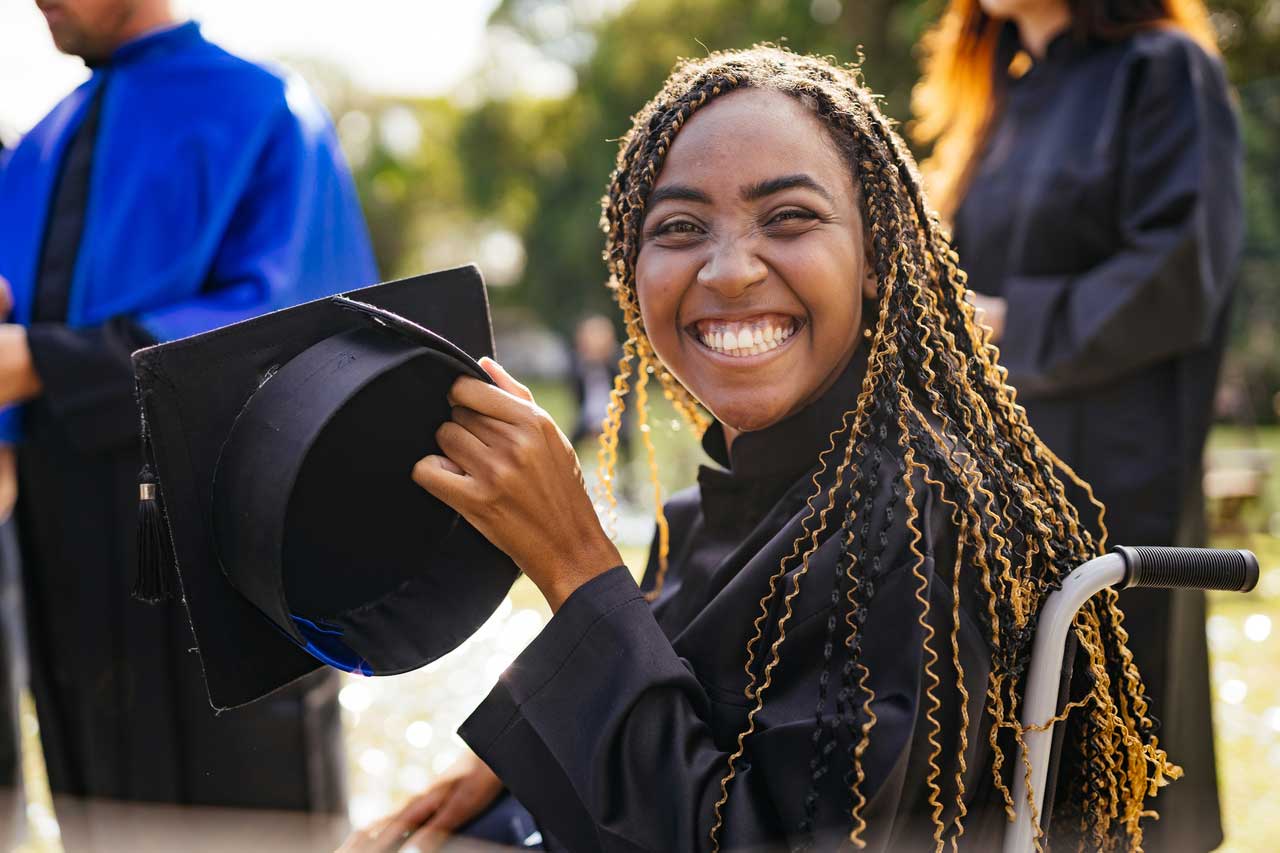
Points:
x=153, y=583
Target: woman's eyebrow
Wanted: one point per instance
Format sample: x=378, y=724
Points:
x=678, y=192
x=757, y=191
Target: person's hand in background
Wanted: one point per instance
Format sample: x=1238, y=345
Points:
x=8, y=481
x=8, y=459
x=990, y=312
x=6, y=298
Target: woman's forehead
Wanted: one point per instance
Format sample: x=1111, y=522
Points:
x=750, y=136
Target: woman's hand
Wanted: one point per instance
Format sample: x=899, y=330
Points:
x=460, y=794
x=509, y=470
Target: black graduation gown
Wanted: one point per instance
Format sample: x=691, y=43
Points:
x=614, y=727
x=119, y=692
x=1106, y=209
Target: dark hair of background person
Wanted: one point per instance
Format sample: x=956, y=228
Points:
x=958, y=93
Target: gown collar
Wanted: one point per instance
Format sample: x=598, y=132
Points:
x=1016, y=62
x=157, y=43
x=789, y=448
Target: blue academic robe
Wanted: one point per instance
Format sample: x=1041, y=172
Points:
x=218, y=192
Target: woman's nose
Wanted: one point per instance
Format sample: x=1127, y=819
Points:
x=732, y=268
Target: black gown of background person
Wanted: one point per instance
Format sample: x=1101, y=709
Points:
x=120, y=696
x=614, y=726
x=1106, y=209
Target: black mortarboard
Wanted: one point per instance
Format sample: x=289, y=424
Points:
x=283, y=448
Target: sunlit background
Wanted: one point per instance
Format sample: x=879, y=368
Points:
x=483, y=130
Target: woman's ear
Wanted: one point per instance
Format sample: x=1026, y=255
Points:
x=870, y=284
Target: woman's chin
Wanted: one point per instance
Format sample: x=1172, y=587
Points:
x=751, y=418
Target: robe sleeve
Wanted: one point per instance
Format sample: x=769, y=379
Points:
x=600, y=729
x=297, y=232
x=1162, y=292
x=87, y=377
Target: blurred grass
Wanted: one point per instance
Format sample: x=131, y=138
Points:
x=400, y=730
x=1244, y=643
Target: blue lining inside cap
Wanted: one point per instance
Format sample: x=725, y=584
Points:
x=324, y=643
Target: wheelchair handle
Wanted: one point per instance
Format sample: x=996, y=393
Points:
x=1188, y=568
x=1151, y=567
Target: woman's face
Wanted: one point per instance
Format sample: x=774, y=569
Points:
x=752, y=268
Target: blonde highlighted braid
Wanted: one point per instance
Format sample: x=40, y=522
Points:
x=934, y=398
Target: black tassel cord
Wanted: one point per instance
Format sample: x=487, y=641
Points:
x=154, y=581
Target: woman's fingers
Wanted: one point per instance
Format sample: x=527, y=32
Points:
x=425, y=840
x=389, y=833
x=415, y=813
x=490, y=431
x=365, y=840
x=461, y=446
x=510, y=406
x=445, y=480
x=505, y=380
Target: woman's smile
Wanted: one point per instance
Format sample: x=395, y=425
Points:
x=746, y=341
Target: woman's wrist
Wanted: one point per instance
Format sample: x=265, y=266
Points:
x=575, y=570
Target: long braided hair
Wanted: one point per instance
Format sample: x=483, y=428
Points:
x=934, y=398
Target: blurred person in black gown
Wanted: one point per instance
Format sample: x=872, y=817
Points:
x=593, y=364
x=178, y=189
x=1089, y=156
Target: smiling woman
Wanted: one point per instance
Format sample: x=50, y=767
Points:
x=830, y=641
x=751, y=241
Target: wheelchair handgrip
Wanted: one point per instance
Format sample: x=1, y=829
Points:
x=1188, y=568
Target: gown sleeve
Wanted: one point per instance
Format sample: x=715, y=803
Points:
x=1162, y=292
x=604, y=732
x=87, y=378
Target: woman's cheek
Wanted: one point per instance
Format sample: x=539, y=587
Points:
x=659, y=298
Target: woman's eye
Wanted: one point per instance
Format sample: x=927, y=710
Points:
x=677, y=226
x=791, y=215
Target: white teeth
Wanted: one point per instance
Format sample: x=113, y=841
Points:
x=746, y=339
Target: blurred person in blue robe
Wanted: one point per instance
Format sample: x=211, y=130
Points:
x=180, y=188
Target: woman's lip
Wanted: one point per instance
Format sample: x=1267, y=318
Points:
x=743, y=360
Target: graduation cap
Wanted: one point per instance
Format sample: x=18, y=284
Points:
x=281, y=450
